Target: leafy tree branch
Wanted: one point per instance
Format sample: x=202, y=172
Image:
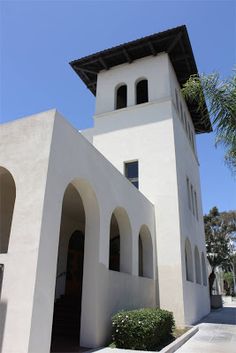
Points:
x=220, y=232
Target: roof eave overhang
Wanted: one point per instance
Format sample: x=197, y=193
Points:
x=175, y=42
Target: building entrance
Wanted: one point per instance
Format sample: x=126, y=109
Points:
x=68, y=292
x=75, y=260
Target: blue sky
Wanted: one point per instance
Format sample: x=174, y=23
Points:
x=39, y=38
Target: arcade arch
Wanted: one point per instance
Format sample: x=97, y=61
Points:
x=145, y=253
x=120, y=249
x=79, y=234
x=188, y=261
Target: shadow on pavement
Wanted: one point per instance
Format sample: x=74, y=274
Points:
x=225, y=315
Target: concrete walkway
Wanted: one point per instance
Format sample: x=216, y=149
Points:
x=217, y=333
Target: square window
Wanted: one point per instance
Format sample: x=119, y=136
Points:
x=131, y=172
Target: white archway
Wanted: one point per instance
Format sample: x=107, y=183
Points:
x=145, y=253
x=77, y=252
x=204, y=271
x=197, y=266
x=188, y=261
x=120, y=241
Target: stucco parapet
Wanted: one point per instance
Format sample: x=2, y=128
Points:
x=133, y=107
x=47, y=114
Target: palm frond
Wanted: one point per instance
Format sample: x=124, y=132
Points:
x=220, y=96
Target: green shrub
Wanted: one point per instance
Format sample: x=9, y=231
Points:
x=143, y=329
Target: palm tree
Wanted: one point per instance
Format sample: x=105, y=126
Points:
x=221, y=101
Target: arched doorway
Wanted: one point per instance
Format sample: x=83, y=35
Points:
x=75, y=262
x=69, y=281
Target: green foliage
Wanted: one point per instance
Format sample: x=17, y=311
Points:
x=220, y=230
x=221, y=100
x=229, y=279
x=143, y=329
x=234, y=262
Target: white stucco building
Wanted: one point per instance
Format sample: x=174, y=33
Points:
x=109, y=218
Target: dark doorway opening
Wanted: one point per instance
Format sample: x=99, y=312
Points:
x=75, y=261
x=68, y=292
x=67, y=308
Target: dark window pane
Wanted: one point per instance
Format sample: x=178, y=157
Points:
x=142, y=92
x=121, y=97
x=131, y=170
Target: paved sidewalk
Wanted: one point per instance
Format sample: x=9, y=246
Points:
x=217, y=333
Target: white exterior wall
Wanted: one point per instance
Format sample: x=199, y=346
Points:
x=196, y=296
x=44, y=154
x=147, y=133
x=24, y=151
x=155, y=69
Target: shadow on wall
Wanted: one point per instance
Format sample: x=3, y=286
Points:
x=3, y=311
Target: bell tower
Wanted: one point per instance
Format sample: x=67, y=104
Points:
x=144, y=127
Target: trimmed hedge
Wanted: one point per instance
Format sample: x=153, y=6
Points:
x=143, y=329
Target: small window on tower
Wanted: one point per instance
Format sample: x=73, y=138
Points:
x=142, y=92
x=121, y=97
x=131, y=172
